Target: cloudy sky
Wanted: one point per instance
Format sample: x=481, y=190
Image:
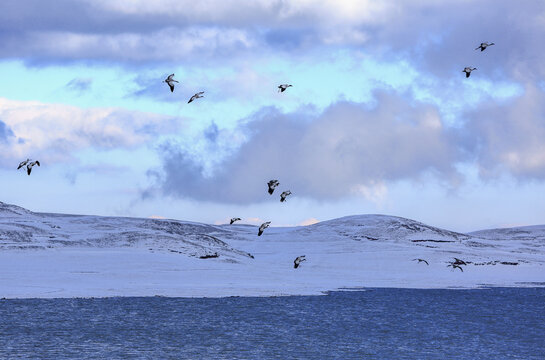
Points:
x=380, y=118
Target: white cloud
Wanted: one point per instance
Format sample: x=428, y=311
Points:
x=375, y=191
x=509, y=137
x=54, y=131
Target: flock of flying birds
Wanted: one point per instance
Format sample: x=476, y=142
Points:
x=457, y=263
x=272, y=184
x=29, y=164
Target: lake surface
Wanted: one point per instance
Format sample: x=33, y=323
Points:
x=498, y=323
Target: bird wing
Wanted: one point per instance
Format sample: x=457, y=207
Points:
x=192, y=98
x=171, y=85
x=169, y=78
x=425, y=262
x=37, y=163
x=200, y=93
x=467, y=74
x=28, y=169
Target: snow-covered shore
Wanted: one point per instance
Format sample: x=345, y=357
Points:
x=54, y=255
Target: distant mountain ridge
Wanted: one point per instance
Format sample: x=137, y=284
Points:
x=387, y=228
x=23, y=229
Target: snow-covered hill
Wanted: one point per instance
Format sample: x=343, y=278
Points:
x=382, y=228
x=52, y=255
x=534, y=234
x=22, y=229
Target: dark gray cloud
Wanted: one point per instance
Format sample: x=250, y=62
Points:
x=211, y=133
x=438, y=37
x=289, y=39
x=353, y=146
x=330, y=156
x=508, y=137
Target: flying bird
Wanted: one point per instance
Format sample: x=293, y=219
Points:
x=170, y=81
x=458, y=262
x=283, y=87
x=234, y=219
x=468, y=70
x=196, y=96
x=484, y=45
x=421, y=260
x=298, y=260
x=30, y=165
x=284, y=195
x=272, y=185
x=23, y=163
x=454, y=266
x=263, y=227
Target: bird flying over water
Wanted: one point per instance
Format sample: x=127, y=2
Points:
x=283, y=87
x=234, y=219
x=284, y=195
x=272, y=185
x=196, y=96
x=298, y=260
x=484, y=45
x=263, y=227
x=170, y=81
x=30, y=165
x=421, y=260
x=468, y=70
x=23, y=163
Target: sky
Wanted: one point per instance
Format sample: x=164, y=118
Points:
x=380, y=118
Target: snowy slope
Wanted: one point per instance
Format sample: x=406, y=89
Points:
x=22, y=229
x=382, y=228
x=533, y=234
x=55, y=255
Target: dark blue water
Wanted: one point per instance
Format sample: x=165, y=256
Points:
x=499, y=323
